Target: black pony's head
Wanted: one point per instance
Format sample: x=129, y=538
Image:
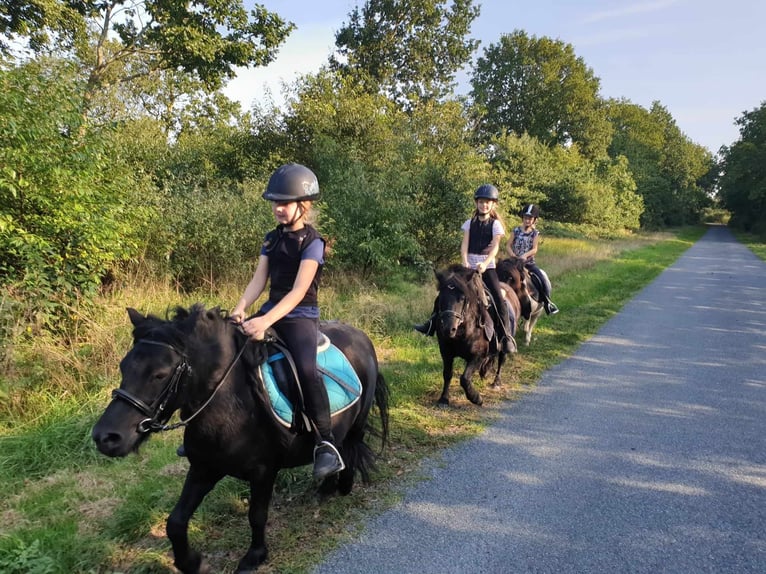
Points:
x=170, y=364
x=459, y=297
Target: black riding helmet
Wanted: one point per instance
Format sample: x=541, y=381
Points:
x=292, y=182
x=532, y=210
x=486, y=191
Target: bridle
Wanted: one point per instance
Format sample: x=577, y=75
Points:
x=448, y=313
x=156, y=414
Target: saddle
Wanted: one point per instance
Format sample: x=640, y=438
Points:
x=283, y=389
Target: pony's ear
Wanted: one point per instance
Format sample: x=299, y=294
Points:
x=135, y=317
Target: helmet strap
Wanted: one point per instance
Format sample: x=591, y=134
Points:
x=296, y=215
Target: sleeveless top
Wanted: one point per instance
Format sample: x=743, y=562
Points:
x=522, y=242
x=480, y=235
x=285, y=250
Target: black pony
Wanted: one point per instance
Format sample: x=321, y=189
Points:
x=464, y=330
x=201, y=364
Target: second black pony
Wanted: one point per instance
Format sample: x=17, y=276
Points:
x=464, y=329
x=201, y=364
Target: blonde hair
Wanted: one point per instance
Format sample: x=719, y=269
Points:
x=493, y=213
x=308, y=211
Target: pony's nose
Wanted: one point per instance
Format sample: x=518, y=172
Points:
x=107, y=443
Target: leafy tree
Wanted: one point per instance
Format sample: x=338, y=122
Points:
x=409, y=49
x=206, y=39
x=349, y=138
x=569, y=187
x=538, y=86
x=70, y=208
x=671, y=172
x=742, y=184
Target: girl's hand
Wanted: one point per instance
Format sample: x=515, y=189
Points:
x=480, y=267
x=237, y=317
x=255, y=328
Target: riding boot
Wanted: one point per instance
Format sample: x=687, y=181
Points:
x=327, y=459
x=550, y=307
x=508, y=343
x=428, y=328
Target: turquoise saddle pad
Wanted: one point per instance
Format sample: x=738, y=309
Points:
x=343, y=385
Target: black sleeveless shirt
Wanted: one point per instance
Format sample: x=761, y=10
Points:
x=284, y=250
x=480, y=235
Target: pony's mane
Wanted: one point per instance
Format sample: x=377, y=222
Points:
x=180, y=322
x=462, y=277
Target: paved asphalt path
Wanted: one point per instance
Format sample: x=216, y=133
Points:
x=643, y=452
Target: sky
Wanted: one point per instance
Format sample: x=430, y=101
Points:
x=704, y=60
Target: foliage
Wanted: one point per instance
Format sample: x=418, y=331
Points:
x=67, y=218
x=27, y=559
x=213, y=219
x=410, y=50
x=345, y=135
x=568, y=187
x=671, y=172
x=538, y=86
x=742, y=185
x=206, y=39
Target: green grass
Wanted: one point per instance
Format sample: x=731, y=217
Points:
x=756, y=243
x=67, y=509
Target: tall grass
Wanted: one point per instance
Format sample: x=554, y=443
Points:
x=67, y=509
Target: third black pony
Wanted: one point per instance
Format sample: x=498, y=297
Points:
x=201, y=364
x=465, y=330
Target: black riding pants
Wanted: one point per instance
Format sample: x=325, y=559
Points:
x=299, y=334
x=493, y=285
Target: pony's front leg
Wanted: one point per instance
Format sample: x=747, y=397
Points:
x=465, y=381
x=528, y=327
x=500, y=363
x=196, y=487
x=261, y=489
x=448, y=361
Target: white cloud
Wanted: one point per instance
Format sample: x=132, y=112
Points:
x=629, y=10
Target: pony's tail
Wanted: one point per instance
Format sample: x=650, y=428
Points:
x=381, y=400
x=356, y=451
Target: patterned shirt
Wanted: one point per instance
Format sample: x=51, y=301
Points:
x=523, y=242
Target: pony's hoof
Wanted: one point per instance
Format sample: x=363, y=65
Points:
x=250, y=562
x=477, y=400
x=442, y=402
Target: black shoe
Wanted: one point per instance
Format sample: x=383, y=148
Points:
x=181, y=451
x=552, y=309
x=509, y=345
x=426, y=328
x=327, y=460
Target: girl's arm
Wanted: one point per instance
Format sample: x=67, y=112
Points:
x=253, y=289
x=256, y=326
x=532, y=250
x=492, y=250
x=464, y=248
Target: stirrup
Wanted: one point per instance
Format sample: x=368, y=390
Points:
x=339, y=464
